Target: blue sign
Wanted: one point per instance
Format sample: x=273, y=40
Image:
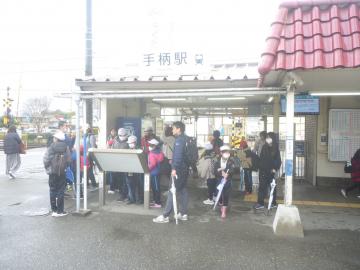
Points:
x=304, y=104
x=288, y=167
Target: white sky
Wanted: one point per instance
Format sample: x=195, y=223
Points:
x=42, y=44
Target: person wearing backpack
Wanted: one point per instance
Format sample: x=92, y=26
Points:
x=270, y=162
x=180, y=170
x=206, y=168
x=57, y=157
x=246, y=163
x=156, y=156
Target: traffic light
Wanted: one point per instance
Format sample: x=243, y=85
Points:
x=5, y=120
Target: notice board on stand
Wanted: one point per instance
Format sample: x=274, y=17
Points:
x=344, y=134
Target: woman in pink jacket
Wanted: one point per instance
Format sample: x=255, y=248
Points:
x=156, y=156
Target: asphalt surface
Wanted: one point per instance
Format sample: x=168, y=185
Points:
x=115, y=239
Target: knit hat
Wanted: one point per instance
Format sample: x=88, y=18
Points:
x=122, y=132
x=225, y=147
x=132, y=139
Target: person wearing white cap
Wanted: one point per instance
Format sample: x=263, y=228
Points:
x=119, y=178
x=57, y=157
x=156, y=156
x=134, y=180
x=206, y=168
x=224, y=169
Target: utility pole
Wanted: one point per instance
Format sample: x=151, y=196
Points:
x=88, y=57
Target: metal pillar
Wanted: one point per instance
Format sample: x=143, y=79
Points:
x=77, y=146
x=289, y=145
x=146, y=190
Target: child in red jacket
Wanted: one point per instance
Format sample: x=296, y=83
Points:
x=154, y=159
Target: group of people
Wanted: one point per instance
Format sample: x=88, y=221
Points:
x=217, y=164
x=60, y=157
x=166, y=155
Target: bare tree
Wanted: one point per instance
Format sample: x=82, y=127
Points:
x=37, y=109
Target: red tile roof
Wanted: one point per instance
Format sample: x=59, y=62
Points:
x=313, y=34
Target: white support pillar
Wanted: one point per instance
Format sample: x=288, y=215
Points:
x=146, y=190
x=102, y=144
x=289, y=150
x=102, y=124
x=287, y=220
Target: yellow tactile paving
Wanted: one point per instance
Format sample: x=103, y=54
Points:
x=253, y=198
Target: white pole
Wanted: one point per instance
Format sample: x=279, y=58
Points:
x=289, y=144
x=146, y=190
x=77, y=145
x=85, y=171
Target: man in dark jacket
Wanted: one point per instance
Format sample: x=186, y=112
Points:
x=180, y=170
x=56, y=159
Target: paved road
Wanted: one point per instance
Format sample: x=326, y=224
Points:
x=113, y=239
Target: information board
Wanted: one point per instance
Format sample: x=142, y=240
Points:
x=304, y=105
x=344, y=134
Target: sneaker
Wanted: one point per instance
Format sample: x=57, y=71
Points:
x=161, y=219
x=343, y=192
x=274, y=205
x=111, y=192
x=258, y=206
x=208, y=202
x=11, y=175
x=182, y=217
x=54, y=214
x=155, y=205
x=129, y=202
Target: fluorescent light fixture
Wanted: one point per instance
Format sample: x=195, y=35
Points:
x=270, y=99
x=226, y=98
x=335, y=94
x=169, y=99
x=235, y=108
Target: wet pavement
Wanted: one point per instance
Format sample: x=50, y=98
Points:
x=124, y=237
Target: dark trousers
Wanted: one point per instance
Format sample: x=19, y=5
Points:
x=211, y=183
x=91, y=176
x=248, y=179
x=119, y=179
x=155, y=186
x=57, y=185
x=353, y=186
x=225, y=194
x=132, y=182
x=265, y=179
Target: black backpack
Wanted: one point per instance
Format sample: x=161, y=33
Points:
x=255, y=161
x=191, y=151
x=58, y=164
